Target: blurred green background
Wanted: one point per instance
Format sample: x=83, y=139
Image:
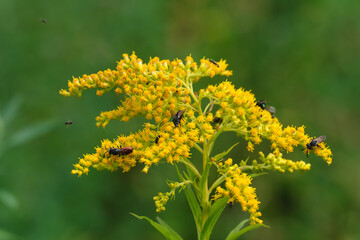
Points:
x=303, y=57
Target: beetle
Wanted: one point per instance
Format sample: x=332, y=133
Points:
x=314, y=143
x=120, y=151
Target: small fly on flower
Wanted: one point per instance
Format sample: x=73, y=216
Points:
x=314, y=143
x=213, y=62
x=217, y=120
x=120, y=151
x=262, y=104
x=177, y=117
x=230, y=204
x=157, y=139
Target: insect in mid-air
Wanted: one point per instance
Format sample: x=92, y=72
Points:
x=262, y=104
x=120, y=151
x=314, y=143
x=68, y=123
x=43, y=21
x=213, y=62
x=177, y=117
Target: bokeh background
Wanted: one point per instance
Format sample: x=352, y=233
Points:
x=303, y=57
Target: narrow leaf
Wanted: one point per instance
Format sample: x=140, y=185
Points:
x=215, y=212
x=31, y=132
x=223, y=154
x=244, y=230
x=160, y=228
x=11, y=109
x=237, y=228
x=8, y=199
x=194, y=205
x=5, y=235
x=165, y=225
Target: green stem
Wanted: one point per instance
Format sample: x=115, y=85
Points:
x=190, y=166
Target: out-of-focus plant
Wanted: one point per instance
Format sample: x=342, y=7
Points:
x=10, y=139
x=181, y=120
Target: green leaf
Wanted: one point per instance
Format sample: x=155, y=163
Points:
x=31, y=132
x=194, y=204
x=11, y=109
x=191, y=198
x=165, y=225
x=215, y=212
x=237, y=228
x=5, y=235
x=163, y=230
x=244, y=230
x=8, y=199
x=223, y=154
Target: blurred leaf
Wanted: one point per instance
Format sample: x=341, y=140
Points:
x=165, y=225
x=31, y=132
x=223, y=154
x=11, y=109
x=8, y=199
x=191, y=198
x=163, y=230
x=244, y=230
x=215, y=212
x=5, y=235
x=237, y=228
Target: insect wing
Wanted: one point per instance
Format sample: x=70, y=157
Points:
x=320, y=139
x=180, y=113
x=271, y=109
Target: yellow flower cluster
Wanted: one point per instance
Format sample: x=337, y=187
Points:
x=162, y=92
x=238, y=190
x=153, y=90
x=150, y=146
x=242, y=115
x=278, y=163
x=161, y=200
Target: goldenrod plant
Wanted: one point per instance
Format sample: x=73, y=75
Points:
x=179, y=121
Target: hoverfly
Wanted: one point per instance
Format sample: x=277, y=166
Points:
x=177, y=117
x=213, y=62
x=262, y=104
x=314, y=143
x=230, y=204
x=120, y=151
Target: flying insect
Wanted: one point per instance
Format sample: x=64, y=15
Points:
x=314, y=143
x=177, y=117
x=68, y=123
